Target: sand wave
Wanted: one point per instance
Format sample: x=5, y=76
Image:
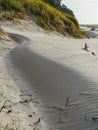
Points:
x=69, y=96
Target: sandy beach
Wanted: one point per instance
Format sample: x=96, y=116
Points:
x=56, y=77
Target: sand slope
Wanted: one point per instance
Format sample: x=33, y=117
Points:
x=18, y=107
x=61, y=75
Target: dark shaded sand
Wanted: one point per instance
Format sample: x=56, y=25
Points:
x=70, y=99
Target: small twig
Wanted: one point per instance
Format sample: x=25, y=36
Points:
x=37, y=122
x=3, y=106
x=67, y=101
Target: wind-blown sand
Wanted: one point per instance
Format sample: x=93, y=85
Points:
x=60, y=74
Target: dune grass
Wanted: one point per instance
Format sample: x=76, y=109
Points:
x=47, y=16
x=1, y=32
x=11, y=5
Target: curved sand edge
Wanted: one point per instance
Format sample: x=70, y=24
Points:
x=58, y=75
x=19, y=109
x=57, y=69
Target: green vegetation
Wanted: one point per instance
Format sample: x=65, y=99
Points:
x=51, y=2
x=57, y=4
x=47, y=16
x=65, y=9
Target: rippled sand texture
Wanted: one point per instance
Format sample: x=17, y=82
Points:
x=64, y=77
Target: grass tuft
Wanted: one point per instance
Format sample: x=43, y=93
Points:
x=1, y=32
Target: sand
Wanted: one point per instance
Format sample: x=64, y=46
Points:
x=58, y=73
x=21, y=110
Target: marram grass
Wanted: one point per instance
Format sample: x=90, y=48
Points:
x=48, y=17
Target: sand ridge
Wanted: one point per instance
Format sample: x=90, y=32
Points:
x=59, y=73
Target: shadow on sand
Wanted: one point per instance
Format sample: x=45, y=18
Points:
x=53, y=83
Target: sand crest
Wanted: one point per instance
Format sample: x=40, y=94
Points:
x=60, y=74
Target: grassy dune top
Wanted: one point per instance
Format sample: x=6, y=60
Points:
x=47, y=16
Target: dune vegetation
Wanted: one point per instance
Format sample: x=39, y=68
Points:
x=46, y=15
x=1, y=32
x=4, y=35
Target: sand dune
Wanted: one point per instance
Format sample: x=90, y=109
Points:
x=61, y=74
x=59, y=71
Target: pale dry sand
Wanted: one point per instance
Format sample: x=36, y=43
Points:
x=60, y=74
x=21, y=110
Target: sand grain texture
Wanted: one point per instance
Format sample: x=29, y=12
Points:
x=60, y=74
